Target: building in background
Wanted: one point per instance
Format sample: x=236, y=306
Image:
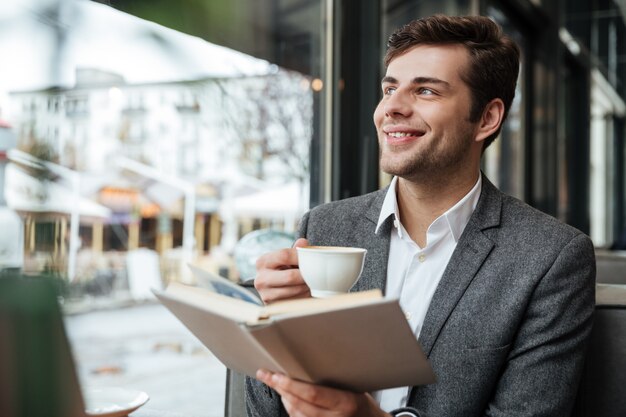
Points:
x=168, y=160
x=12, y=238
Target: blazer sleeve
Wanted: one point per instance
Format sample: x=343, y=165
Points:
x=544, y=366
x=261, y=400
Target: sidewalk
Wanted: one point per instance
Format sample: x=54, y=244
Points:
x=144, y=347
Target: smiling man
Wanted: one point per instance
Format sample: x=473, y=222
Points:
x=499, y=295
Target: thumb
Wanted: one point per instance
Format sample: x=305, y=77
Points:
x=300, y=243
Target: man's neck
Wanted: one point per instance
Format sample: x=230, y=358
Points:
x=421, y=203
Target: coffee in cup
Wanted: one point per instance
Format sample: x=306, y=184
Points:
x=330, y=270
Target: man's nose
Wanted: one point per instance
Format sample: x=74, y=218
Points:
x=397, y=104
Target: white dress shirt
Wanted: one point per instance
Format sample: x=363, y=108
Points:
x=413, y=273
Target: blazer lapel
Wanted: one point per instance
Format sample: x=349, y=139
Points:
x=375, y=269
x=471, y=251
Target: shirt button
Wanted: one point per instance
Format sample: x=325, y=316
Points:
x=396, y=224
x=407, y=315
x=421, y=258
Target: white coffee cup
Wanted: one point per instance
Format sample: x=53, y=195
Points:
x=330, y=270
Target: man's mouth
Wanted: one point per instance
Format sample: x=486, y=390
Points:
x=399, y=136
x=404, y=134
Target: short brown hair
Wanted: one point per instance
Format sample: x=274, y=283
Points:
x=494, y=57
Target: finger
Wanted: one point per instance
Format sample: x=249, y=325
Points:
x=282, y=258
x=270, y=295
x=302, y=399
x=278, y=259
x=273, y=285
x=269, y=278
x=288, y=399
x=297, y=407
x=321, y=397
x=300, y=243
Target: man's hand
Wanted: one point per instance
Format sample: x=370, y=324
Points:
x=301, y=399
x=278, y=276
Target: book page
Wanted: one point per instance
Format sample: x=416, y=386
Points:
x=311, y=305
x=202, y=298
x=224, y=286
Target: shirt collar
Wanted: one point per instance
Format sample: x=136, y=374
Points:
x=456, y=216
x=390, y=205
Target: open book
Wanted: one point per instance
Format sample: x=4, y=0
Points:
x=357, y=341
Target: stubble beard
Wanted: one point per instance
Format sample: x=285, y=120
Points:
x=433, y=164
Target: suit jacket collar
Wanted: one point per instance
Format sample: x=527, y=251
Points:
x=373, y=211
x=472, y=248
x=471, y=251
x=377, y=244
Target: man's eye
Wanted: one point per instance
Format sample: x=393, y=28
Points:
x=425, y=91
x=389, y=90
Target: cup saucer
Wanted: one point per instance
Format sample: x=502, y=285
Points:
x=112, y=402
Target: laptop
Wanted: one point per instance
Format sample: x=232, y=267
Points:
x=38, y=376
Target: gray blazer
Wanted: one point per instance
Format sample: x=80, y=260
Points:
x=507, y=328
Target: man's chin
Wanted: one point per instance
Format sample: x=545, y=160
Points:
x=401, y=168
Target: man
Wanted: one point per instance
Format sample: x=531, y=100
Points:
x=500, y=295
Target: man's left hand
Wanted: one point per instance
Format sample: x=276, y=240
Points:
x=301, y=399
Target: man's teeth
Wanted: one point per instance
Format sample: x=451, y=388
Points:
x=400, y=134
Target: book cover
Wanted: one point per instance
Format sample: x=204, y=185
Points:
x=358, y=341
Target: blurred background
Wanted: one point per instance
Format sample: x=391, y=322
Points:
x=137, y=136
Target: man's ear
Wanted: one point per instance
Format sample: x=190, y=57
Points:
x=491, y=119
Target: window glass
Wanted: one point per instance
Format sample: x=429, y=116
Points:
x=142, y=136
x=504, y=159
x=399, y=12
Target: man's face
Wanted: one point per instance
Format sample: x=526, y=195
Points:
x=423, y=118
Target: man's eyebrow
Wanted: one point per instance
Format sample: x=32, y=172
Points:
x=389, y=80
x=417, y=80
x=430, y=80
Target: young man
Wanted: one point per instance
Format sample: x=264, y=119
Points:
x=500, y=295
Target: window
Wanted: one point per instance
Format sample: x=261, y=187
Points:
x=155, y=129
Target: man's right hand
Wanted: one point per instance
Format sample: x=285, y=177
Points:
x=278, y=276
